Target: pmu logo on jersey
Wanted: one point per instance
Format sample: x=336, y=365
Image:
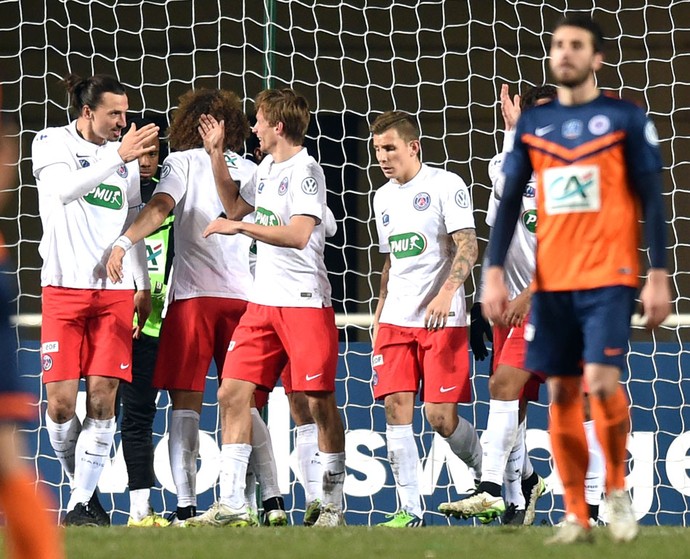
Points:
x=529, y=220
x=422, y=201
x=283, y=187
x=122, y=171
x=572, y=129
x=573, y=189
x=406, y=245
x=106, y=196
x=310, y=186
x=267, y=218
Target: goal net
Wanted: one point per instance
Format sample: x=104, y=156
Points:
x=443, y=61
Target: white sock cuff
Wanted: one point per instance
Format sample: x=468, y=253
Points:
x=62, y=428
x=333, y=461
x=100, y=424
x=238, y=451
x=504, y=406
x=307, y=432
x=186, y=413
x=399, y=431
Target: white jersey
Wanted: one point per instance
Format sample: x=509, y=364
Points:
x=520, y=259
x=414, y=222
x=78, y=234
x=217, y=266
x=288, y=277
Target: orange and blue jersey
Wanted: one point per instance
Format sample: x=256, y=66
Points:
x=592, y=163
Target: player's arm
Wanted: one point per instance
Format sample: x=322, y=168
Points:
x=465, y=257
x=147, y=221
x=293, y=235
x=70, y=185
x=656, y=293
x=213, y=134
x=383, y=293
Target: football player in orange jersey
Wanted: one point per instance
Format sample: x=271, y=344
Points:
x=598, y=166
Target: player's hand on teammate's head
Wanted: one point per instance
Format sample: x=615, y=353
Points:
x=510, y=108
x=212, y=132
x=138, y=141
x=479, y=330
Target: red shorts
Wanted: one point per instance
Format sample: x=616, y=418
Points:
x=268, y=337
x=194, y=331
x=510, y=349
x=86, y=332
x=404, y=357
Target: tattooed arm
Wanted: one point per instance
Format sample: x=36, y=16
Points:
x=383, y=293
x=466, y=255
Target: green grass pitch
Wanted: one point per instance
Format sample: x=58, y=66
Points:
x=362, y=542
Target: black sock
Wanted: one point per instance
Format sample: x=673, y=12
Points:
x=274, y=503
x=183, y=513
x=492, y=489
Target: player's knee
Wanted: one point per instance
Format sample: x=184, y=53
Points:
x=441, y=422
x=299, y=408
x=60, y=409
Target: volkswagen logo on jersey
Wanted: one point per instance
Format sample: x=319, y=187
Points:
x=310, y=186
x=572, y=129
x=283, y=187
x=462, y=198
x=422, y=201
x=165, y=171
x=260, y=187
x=122, y=171
x=385, y=219
x=599, y=124
x=84, y=163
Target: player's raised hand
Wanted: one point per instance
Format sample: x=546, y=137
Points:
x=138, y=141
x=510, y=108
x=223, y=226
x=114, y=264
x=212, y=132
x=656, y=298
x=494, y=295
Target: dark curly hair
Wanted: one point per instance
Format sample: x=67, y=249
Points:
x=219, y=103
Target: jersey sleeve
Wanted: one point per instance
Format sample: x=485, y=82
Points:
x=248, y=189
x=308, y=191
x=642, y=144
x=379, y=218
x=517, y=161
x=173, y=179
x=49, y=148
x=457, y=205
x=134, y=199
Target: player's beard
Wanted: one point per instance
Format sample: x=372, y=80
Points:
x=574, y=81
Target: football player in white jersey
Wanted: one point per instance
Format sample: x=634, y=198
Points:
x=289, y=316
x=88, y=188
x=426, y=229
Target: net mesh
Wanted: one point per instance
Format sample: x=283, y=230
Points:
x=444, y=62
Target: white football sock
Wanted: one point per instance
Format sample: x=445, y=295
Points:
x=596, y=470
x=90, y=455
x=234, y=459
x=63, y=438
x=499, y=438
x=333, y=477
x=404, y=460
x=262, y=461
x=183, y=448
x=515, y=468
x=464, y=443
x=139, y=503
x=250, y=488
x=311, y=469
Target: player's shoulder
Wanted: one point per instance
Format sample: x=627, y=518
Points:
x=442, y=178
x=50, y=134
